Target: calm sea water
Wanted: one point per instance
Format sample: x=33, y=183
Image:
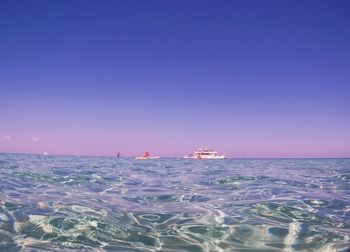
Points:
x=59, y=203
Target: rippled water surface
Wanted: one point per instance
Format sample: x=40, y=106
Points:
x=59, y=203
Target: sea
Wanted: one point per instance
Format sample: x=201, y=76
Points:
x=68, y=203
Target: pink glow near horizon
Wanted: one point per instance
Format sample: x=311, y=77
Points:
x=36, y=145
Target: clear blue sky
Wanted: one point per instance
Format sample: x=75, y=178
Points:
x=248, y=78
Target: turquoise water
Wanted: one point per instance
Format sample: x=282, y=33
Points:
x=59, y=203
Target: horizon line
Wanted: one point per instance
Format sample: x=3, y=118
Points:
x=113, y=156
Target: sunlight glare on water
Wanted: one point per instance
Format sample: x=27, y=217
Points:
x=120, y=204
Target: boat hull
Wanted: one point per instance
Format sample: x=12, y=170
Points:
x=202, y=157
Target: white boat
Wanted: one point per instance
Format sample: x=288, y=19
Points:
x=205, y=154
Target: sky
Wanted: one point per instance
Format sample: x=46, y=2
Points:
x=246, y=78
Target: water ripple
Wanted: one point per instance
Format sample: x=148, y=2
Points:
x=56, y=203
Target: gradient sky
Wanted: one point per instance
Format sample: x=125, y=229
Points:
x=247, y=78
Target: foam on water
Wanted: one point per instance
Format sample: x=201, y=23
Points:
x=56, y=203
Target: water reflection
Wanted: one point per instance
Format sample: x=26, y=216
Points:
x=92, y=204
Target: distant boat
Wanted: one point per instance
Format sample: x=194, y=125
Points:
x=205, y=154
x=146, y=156
x=45, y=153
